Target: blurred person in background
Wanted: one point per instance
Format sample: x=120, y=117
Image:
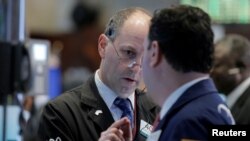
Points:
x=85, y=112
x=176, y=64
x=30, y=115
x=27, y=111
x=231, y=74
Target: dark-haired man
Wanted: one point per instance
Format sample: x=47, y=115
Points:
x=176, y=64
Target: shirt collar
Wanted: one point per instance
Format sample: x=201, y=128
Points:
x=237, y=92
x=107, y=94
x=169, y=102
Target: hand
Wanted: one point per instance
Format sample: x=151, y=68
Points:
x=118, y=131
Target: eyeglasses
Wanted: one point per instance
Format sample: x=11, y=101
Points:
x=127, y=55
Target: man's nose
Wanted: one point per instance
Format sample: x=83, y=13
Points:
x=135, y=62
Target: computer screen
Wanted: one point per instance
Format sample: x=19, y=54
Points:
x=224, y=11
x=40, y=51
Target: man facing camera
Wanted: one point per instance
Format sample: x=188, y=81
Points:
x=231, y=74
x=110, y=95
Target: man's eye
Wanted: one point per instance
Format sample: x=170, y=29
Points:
x=130, y=53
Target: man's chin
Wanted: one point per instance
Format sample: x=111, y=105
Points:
x=126, y=92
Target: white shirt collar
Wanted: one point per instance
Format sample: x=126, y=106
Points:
x=237, y=92
x=169, y=102
x=107, y=94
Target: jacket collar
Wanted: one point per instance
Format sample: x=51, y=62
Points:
x=98, y=109
x=99, y=112
x=201, y=88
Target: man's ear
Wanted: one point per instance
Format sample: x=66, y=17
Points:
x=102, y=43
x=155, y=54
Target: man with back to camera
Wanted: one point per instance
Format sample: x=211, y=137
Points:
x=176, y=63
x=86, y=111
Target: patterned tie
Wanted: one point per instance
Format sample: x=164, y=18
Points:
x=125, y=106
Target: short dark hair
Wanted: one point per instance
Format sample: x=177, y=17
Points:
x=185, y=37
x=116, y=22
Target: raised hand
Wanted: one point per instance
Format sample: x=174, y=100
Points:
x=118, y=131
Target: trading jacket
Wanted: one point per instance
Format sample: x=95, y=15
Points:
x=81, y=115
x=194, y=113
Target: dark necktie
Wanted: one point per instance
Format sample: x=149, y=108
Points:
x=156, y=122
x=125, y=106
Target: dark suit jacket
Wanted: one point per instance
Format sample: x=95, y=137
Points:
x=240, y=109
x=193, y=113
x=72, y=116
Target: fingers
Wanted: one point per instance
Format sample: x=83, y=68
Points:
x=112, y=134
x=120, y=123
x=118, y=131
x=127, y=131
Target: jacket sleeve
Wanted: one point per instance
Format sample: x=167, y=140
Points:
x=190, y=129
x=53, y=125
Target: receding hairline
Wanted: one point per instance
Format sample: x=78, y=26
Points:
x=116, y=22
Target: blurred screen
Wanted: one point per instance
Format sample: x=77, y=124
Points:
x=39, y=52
x=224, y=11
